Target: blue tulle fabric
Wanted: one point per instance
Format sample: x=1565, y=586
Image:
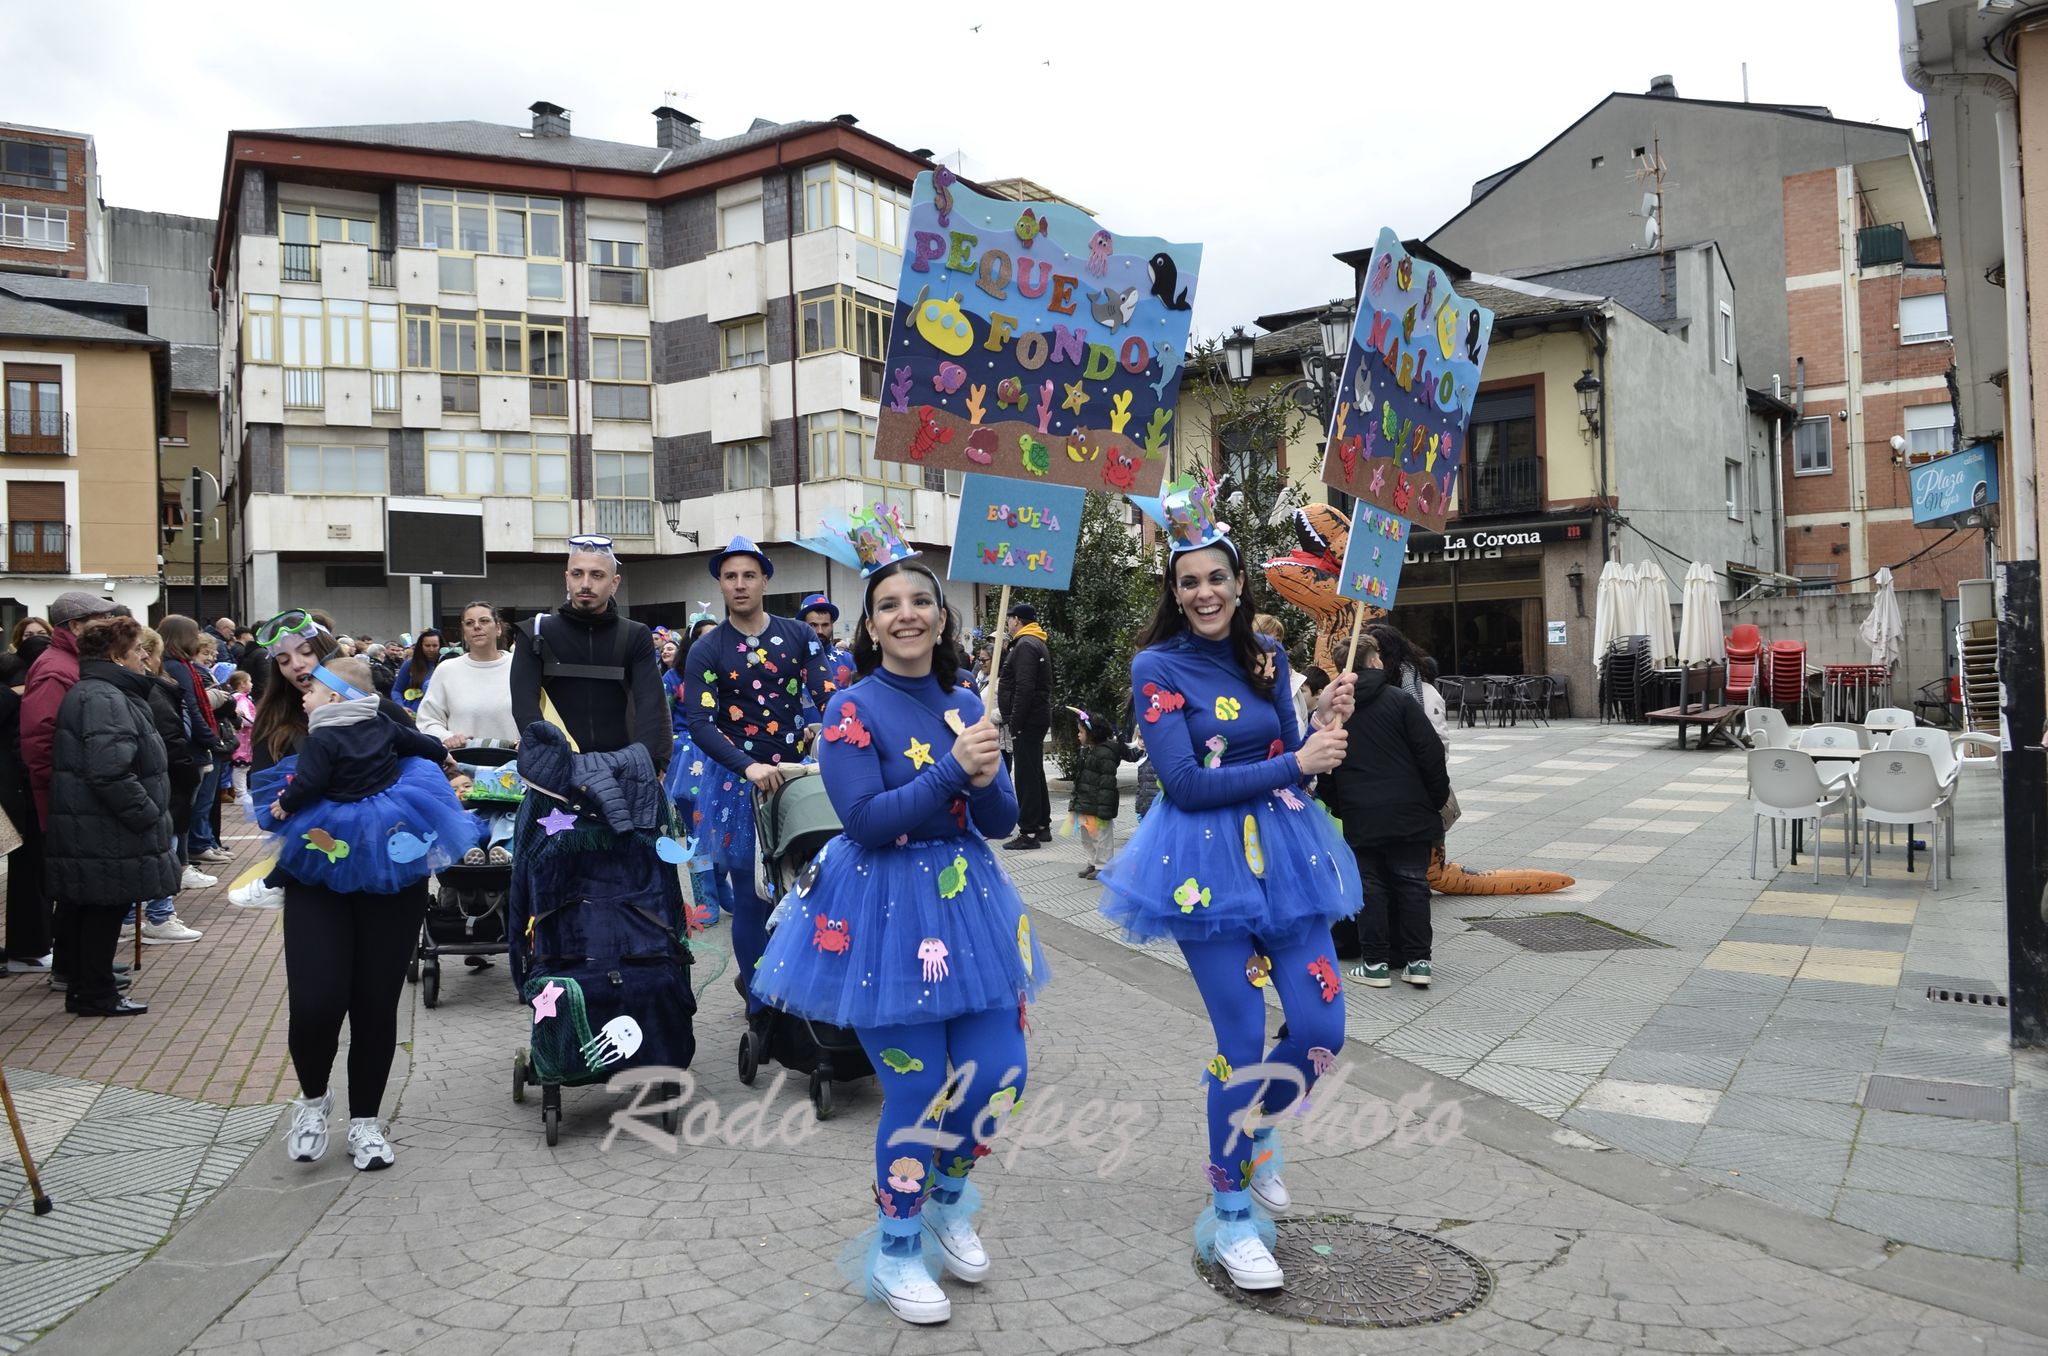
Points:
x=1271, y=866
x=900, y=1237
x=688, y=770
x=378, y=845
x=723, y=821
x=1232, y=1216
x=922, y=931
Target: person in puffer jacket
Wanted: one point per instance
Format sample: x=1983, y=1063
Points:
x=1096, y=799
x=109, y=843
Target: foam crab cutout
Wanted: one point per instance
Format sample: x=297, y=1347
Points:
x=1307, y=577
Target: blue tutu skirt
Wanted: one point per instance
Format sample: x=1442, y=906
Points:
x=723, y=821
x=379, y=845
x=924, y=931
x=688, y=770
x=1272, y=866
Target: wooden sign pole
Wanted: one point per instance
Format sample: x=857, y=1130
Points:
x=1357, y=626
x=995, y=656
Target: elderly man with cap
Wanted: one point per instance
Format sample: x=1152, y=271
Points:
x=834, y=669
x=595, y=665
x=744, y=687
x=1024, y=696
x=54, y=674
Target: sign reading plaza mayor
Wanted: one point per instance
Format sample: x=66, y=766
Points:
x=1031, y=343
x=1016, y=532
x=1398, y=438
x=1950, y=488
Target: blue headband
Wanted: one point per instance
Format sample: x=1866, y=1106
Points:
x=334, y=682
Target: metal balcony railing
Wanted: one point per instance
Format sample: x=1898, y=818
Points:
x=625, y=517
x=36, y=430
x=384, y=392
x=299, y=263
x=304, y=388
x=383, y=268
x=1514, y=486
x=38, y=548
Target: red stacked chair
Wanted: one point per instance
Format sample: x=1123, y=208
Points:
x=1745, y=646
x=1786, y=676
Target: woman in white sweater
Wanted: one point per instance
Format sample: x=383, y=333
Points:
x=471, y=696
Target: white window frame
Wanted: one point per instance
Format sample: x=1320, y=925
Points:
x=1800, y=470
x=1731, y=487
x=756, y=461
x=1939, y=419
x=1726, y=332
x=742, y=223
x=16, y=218
x=752, y=354
x=1923, y=336
x=360, y=457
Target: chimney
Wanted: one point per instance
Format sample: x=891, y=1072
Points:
x=550, y=120
x=1662, y=88
x=675, y=129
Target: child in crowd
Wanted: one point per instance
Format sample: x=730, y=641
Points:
x=1094, y=806
x=492, y=794
x=239, y=685
x=365, y=810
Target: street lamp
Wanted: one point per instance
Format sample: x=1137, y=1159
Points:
x=672, y=509
x=1237, y=355
x=1588, y=387
x=1336, y=327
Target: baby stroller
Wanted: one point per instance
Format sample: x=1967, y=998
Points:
x=791, y=824
x=596, y=910
x=466, y=915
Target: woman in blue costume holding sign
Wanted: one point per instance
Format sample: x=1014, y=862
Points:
x=907, y=930
x=1237, y=864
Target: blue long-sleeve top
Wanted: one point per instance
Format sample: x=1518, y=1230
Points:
x=402, y=690
x=745, y=694
x=679, y=718
x=832, y=672
x=887, y=755
x=1212, y=739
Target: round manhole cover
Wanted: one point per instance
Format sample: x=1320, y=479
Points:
x=1354, y=1274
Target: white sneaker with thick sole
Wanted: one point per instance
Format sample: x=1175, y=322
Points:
x=307, y=1139
x=195, y=879
x=902, y=1283
x=960, y=1247
x=1270, y=1190
x=172, y=929
x=214, y=856
x=1250, y=1265
x=367, y=1145
x=256, y=895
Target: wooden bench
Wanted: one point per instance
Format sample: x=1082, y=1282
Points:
x=1715, y=722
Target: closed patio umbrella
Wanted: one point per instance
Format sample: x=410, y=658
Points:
x=1653, y=610
x=1608, y=605
x=1884, y=630
x=1699, y=617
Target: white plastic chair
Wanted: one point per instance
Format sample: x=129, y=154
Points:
x=1816, y=737
x=1785, y=785
x=1888, y=718
x=1899, y=786
x=1938, y=747
x=1765, y=727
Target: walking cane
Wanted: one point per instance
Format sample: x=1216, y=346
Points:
x=138, y=937
x=35, y=1186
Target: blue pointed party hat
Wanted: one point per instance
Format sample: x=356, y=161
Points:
x=873, y=536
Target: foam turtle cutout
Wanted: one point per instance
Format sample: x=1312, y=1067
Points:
x=1307, y=577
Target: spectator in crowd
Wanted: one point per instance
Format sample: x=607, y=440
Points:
x=23, y=629
x=182, y=646
x=160, y=921
x=1025, y=694
x=471, y=697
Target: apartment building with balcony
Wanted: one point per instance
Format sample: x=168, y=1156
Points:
x=83, y=400
x=50, y=216
x=666, y=344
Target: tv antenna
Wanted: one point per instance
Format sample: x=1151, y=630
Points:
x=1650, y=171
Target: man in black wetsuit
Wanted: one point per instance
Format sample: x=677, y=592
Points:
x=598, y=668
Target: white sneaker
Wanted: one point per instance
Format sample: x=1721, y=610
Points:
x=307, y=1139
x=1250, y=1264
x=172, y=929
x=1270, y=1189
x=473, y=857
x=366, y=1143
x=256, y=895
x=195, y=879
x=214, y=855
x=902, y=1283
x=959, y=1246
x=29, y=965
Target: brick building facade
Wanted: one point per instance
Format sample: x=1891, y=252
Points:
x=49, y=203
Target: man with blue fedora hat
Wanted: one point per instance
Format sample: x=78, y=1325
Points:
x=745, y=684
x=835, y=665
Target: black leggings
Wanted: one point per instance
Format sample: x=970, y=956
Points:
x=345, y=956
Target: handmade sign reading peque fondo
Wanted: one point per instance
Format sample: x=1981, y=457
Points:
x=1031, y=343
x=1398, y=438
x=1013, y=532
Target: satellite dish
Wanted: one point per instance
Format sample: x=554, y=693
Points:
x=1650, y=233
x=1649, y=207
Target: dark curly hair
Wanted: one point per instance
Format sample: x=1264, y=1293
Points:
x=1168, y=621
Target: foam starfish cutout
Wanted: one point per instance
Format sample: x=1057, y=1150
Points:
x=919, y=753
x=557, y=821
x=1076, y=397
x=544, y=1001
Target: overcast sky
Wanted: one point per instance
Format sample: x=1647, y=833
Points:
x=1273, y=133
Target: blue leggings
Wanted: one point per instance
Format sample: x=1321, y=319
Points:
x=749, y=914
x=1304, y=972
x=981, y=1055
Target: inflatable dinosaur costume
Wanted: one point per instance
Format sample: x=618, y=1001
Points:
x=1307, y=577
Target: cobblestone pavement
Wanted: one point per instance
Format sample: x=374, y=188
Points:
x=483, y=1239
